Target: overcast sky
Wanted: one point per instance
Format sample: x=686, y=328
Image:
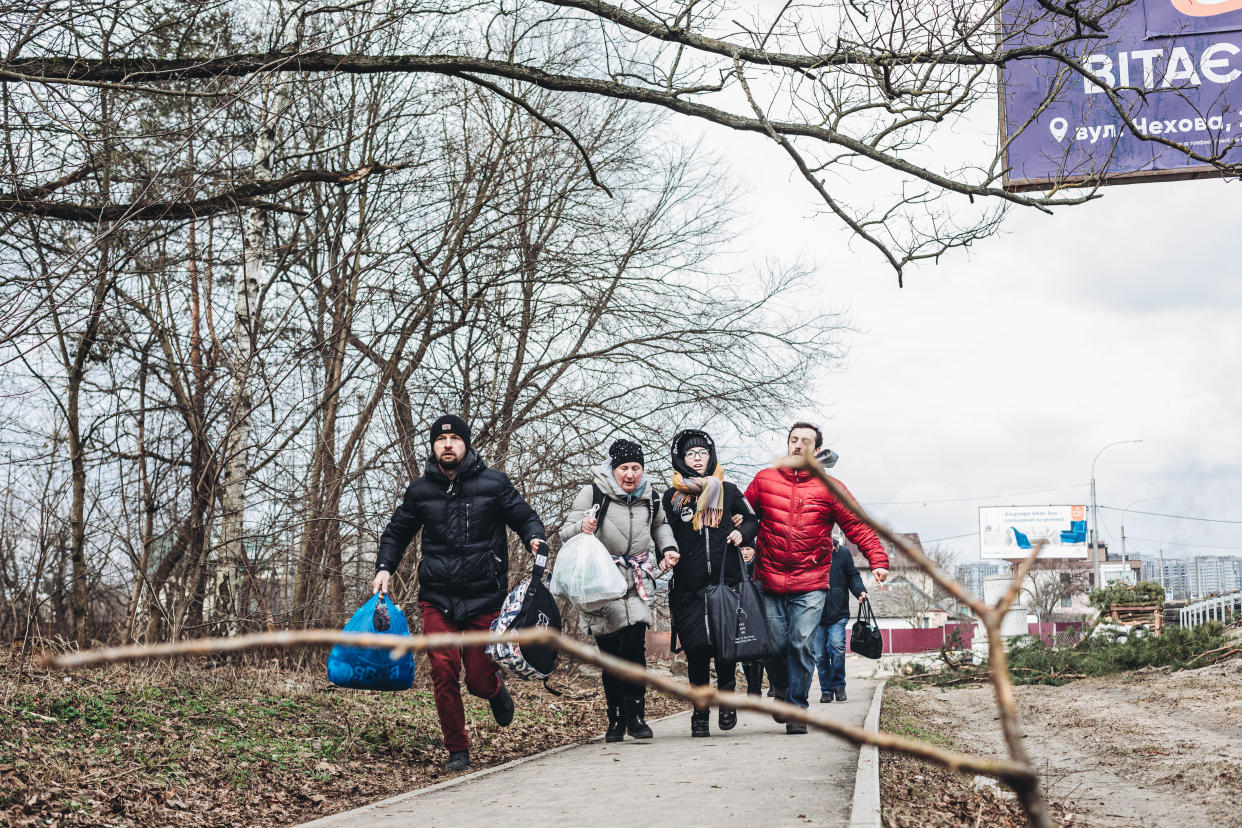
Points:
x=994, y=378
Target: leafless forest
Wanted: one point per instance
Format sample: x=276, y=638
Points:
x=251, y=248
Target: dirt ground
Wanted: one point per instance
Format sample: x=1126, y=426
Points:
x=1149, y=748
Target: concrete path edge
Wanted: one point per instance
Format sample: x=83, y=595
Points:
x=865, y=812
x=335, y=820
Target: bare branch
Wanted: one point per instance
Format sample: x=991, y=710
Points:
x=705, y=696
x=246, y=195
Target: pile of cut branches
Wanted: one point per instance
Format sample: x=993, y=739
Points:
x=1033, y=662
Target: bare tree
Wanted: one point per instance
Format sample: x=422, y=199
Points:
x=248, y=254
x=1050, y=583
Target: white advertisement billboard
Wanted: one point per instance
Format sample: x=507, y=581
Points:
x=1116, y=572
x=1013, y=531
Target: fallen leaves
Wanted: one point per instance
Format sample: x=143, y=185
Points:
x=261, y=749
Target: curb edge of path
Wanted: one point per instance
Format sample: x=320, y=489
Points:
x=865, y=811
x=335, y=820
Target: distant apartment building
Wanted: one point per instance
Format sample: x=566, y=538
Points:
x=971, y=575
x=1187, y=578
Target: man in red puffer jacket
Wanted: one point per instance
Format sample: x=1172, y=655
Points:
x=796, y=516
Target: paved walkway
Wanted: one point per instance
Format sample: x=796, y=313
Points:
x=752, y=775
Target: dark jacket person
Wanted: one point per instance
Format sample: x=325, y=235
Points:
x=828, y=642
x=701, y=507
x=462, y=508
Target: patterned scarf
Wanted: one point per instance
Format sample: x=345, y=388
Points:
x=640, y=563
x=710, y=494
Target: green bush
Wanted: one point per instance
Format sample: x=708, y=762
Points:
x=1121, y=594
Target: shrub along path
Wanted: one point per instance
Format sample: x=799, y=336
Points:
x=755, y=774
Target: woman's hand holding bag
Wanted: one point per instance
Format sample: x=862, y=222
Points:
x=585, y=572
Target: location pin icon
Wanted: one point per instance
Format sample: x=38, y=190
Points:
x=1058, y=128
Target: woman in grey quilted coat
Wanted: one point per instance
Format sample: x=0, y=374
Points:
x=628, y=519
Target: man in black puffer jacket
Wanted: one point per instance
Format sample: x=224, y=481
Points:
x=828, y=641
x=462, y=508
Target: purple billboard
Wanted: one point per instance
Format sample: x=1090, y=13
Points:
x=1157, y=95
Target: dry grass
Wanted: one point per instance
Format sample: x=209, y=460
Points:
x=919, y=794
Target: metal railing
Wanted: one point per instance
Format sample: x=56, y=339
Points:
x=1219, y=608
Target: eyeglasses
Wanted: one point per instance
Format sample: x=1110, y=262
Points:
x=696, y=453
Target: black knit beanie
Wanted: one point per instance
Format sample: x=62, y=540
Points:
x=451, y=424
x=695, y=439
x=625, y=451
x=692, y=438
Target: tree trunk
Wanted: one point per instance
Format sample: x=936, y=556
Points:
x=231, y=561
x=148, y=503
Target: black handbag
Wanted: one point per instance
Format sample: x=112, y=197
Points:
x=736, y=619
x=865, y=638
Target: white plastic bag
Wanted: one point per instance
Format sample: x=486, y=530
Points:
x=585, y=573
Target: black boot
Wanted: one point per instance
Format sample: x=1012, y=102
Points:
x=635, y=724
x=616, y=724
x=727, y=718
x=699, y=723
x=502, y=707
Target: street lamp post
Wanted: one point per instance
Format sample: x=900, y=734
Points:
x=1123, y=527
x=1095, y=511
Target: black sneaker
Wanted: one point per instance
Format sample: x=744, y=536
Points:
x=841, y=695
x=795, y=727
x=502, y=707
x=699, y=724
x=458, y=760
x=727, y=719
x=824, y=698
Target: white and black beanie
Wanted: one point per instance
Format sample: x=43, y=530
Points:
x=625, y=451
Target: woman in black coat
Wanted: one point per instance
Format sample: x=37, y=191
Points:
x=700, y=507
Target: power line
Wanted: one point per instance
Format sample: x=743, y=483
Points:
x=1177, y=517
x=951, y=537
x=1175, y=543
x=974, y=499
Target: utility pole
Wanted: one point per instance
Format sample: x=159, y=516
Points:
x=1123, y=544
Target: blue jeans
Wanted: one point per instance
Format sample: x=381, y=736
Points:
x=792, y=620
x=828, y=644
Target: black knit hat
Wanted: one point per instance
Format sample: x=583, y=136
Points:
x=694, y=439
x=451, y=424
x=625, y=451
x=686, y=440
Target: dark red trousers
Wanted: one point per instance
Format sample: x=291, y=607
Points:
x=482, y=675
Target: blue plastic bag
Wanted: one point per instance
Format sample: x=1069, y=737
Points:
x=365, y=668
